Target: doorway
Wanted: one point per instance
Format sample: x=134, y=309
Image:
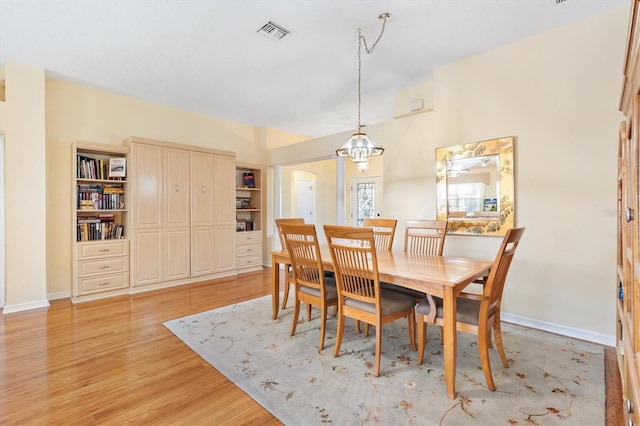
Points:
x=304, y=200
x=365, y=198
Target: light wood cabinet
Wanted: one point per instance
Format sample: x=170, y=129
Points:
x=627, y=286
x=100, y=252
x=249, y=217
x=146, y=185
x=176, y=193
x=193, y=203
x=203, y=167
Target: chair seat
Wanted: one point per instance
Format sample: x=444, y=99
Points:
x=467, y=310
x=330, y=289
x=390, y=302
x=415, y=294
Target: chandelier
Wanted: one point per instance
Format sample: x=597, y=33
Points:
x=359, y=148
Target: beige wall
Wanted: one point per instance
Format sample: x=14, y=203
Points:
x=22, y=120
x=557, y=93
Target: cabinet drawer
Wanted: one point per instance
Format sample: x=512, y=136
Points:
x=248, y=237
x=108, y=265
x=248, y=261
x=103, y=283
x=103, y=249
x=249, y=249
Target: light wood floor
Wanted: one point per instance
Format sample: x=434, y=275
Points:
x=113, y=362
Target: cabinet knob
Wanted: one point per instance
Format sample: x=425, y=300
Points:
x=203, y=189
x=177, y=188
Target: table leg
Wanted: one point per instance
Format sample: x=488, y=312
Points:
x=450, y=340
x=275, y=287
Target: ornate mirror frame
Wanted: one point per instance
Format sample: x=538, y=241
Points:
x=503, y=219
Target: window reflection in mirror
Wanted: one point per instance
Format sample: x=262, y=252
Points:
x=475, y=186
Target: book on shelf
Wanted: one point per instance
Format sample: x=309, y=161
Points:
x=248, y=180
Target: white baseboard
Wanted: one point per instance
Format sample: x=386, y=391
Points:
x=59, y=295
x=576, y=333
x=9, y=309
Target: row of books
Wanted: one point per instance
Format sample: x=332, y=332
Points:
x=98, y=168
x=101, y=227
x=100, y=197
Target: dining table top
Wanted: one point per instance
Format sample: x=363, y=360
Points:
x=421, y=272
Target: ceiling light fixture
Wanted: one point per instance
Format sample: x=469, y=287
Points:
x=359, y=148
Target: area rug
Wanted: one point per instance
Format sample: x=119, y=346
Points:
x=551, y=380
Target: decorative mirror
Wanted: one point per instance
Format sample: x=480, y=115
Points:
x=475, y=187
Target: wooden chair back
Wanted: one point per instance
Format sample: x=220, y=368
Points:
x=354, y=262
x=301, y=243
x=498, y=273
x=282, y=221
x=425, y=236
x=383, y=232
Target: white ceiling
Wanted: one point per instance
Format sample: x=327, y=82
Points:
x=206, y=55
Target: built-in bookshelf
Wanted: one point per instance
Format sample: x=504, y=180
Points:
x=249, y=217
x=101, y=250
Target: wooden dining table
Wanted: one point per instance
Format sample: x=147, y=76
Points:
x=441, y=276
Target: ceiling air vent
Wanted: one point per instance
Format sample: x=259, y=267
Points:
x=274, y=31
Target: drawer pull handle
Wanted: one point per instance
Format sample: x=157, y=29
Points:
x=104, y=283
x=177, y=188
x=104, y=267
x=203, y=189
x=629, y=406
x=249, y=250
x=104, y=250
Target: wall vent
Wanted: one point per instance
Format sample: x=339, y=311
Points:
x=274, y=31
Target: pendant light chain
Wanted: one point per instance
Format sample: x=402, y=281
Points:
x=361, y=39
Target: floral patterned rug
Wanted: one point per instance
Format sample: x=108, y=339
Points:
x=552, y=380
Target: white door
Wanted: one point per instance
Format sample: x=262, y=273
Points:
x=366, y=198
x=305, y=199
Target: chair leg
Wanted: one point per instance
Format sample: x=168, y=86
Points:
x=497, y=334
x=376, y=371
x=296, y=312
x=287, y=284
x=483, y=349
x=412, y=329
x=358, y=330
x=422, y=337
x=339, y=333
x=308, y=312
x=323, y=324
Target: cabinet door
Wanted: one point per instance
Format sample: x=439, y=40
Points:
x=146, y=185
x=225, y=190
x=202, y=188
x=146, y=253
x=225, y=248
x=202, y=250
x=177, y=263
x=176, y=187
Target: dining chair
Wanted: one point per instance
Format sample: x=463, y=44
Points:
x=359, y=294
x=383, y=232
x=425, y=236
x=287, y=267
x=310, y=283
x=476, y=313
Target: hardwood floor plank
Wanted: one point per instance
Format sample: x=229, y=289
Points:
x=113, y=362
